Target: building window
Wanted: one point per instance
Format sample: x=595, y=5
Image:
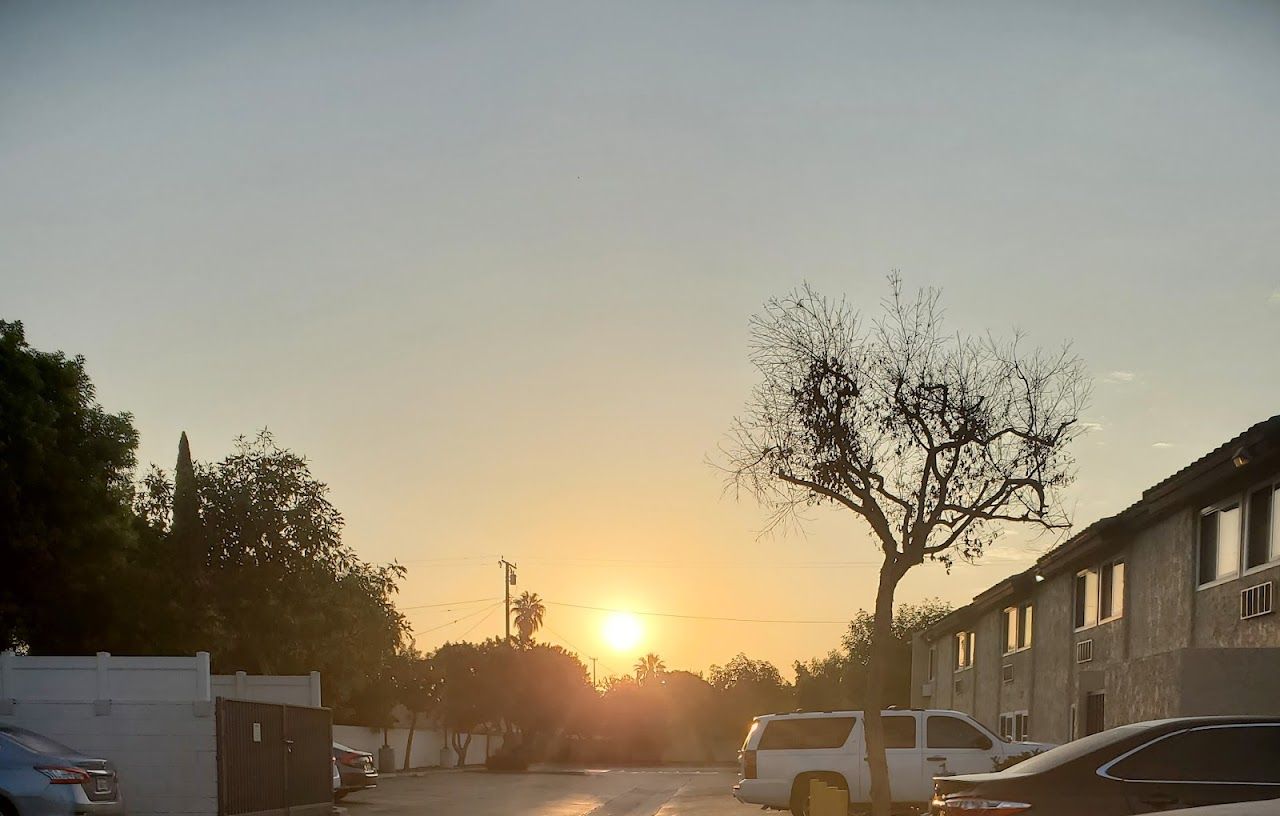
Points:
x=1220, y=542
x=1017, y=628
x=933, y=662
x=1111, y=587
x=1099, y=594
x=1015, y=726
x=1263, y=526
x=964, y=649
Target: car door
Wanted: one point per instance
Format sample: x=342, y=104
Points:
x=954, y=745
x=1201, y=765
x=903, y=752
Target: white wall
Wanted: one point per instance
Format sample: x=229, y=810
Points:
x=427, y=743
x=165, y=754
x=153, y=717
x=299, y=690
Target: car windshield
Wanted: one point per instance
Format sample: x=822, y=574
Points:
x=1063, y=754
x=37, y=742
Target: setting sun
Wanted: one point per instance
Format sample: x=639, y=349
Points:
x=622, y=630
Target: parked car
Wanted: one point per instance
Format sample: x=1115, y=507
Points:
x=42, y=777
x=1267, y=807
x=783, y=752
x=1141, y=768
x=355, y=769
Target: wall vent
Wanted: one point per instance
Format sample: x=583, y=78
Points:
x=1084, y=651
x=1255, y=601
x=1006, y=673
x=957, y=687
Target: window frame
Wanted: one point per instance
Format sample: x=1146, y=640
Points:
x=1022, y=613
x=1015, y=718
x=970, y=638
x=1097, y=572
x=1105, y=770
x=1273, y=527
x=1236, y=501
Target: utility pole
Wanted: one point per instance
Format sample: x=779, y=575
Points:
x=508, y=581
x=594, y=682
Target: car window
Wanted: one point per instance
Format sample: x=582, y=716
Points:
x=1210, y=754
x=809, y=732
x=755, y=726
x=37, y=742
x=900, y=732
x=952, y=732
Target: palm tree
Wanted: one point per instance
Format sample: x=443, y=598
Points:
x=649, y=667
x=529, y=611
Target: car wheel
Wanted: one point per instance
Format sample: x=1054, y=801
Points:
x=800, y=790
x=7, y=808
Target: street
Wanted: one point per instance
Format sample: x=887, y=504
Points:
x=612, y=792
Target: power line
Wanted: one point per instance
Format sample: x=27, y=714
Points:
x=464, y=617
x=471, y=628
x=445, y=603
x=693, y=617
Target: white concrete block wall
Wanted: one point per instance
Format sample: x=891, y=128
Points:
x=166, y=756
x=300, y=690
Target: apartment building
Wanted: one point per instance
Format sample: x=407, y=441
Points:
x=1164, y=609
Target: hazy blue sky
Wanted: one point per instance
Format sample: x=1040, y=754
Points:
x=490, y=265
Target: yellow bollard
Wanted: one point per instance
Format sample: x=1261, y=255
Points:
x=827, y=800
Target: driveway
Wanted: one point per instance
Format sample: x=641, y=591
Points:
x=612, y=792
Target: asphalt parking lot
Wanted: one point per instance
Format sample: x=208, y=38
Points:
x=603, y=792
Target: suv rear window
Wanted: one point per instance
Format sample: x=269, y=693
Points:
x=807, y=732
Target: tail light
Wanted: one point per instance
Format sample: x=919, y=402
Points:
x=352, y=760
x=975, y=806
x=63, y=776
x=748, y=764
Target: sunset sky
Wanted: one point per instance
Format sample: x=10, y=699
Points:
x=490, y=265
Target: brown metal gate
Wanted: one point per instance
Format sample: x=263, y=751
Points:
x=273, y=759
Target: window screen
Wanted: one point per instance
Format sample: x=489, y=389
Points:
x=949, y=732
x=1219, y=754
x=810, y=732
x=1208, y=547
x=900, y=732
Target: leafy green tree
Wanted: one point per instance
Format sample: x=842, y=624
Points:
x=65, y=484
x=859, y=639
x=283, y=594
x=417, y=687
x=467, y=702
x=747, y=688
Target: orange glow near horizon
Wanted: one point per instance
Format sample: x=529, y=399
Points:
x=622, y=631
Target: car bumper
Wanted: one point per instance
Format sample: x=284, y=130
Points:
x=66, y=800
x=353, y=780
x=775, y=793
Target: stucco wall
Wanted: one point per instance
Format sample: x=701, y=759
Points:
x=427, y=745
x=1230, y=681
x=1053, y=689
x=986, y=671
x=1217, y=614
x=1145, y=689
x=1159, y=576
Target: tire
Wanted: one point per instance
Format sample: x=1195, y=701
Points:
x=800, y=789
x=7, y=808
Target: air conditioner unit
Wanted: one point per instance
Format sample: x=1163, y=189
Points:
x=1255, y=601
x=1084, y=651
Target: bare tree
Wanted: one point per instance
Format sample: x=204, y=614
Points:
x=935, y=440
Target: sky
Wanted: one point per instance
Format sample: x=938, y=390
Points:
x=490, y=265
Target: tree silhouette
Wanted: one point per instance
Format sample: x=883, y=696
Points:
x=650, y=667
x=529, y=611
x=933, y=439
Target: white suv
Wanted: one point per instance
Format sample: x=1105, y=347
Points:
x=783, y=752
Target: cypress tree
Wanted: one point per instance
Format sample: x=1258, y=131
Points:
x=188, y=537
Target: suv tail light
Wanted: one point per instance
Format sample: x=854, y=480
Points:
x=748, y=764
x=974, y=806
x=63, y=776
